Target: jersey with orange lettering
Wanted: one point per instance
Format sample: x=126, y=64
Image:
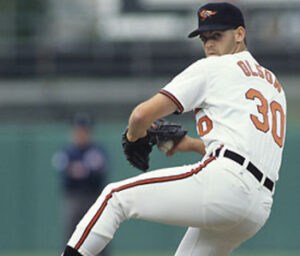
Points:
x=237, y=103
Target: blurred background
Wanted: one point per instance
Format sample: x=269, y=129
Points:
x=60, y=57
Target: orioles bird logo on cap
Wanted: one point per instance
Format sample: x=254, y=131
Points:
x=206, y=13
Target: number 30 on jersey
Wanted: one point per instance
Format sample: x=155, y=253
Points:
x=278, y=118
x=260, y=120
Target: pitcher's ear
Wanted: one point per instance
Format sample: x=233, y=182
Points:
x=240, y=34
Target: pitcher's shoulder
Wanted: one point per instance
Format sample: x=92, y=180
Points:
x=215, y=60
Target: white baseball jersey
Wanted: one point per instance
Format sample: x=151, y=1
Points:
x=236, y=102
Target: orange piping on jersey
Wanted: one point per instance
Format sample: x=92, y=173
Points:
x=134, y=184
x=173, y=98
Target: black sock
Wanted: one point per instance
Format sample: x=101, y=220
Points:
x=69, y=251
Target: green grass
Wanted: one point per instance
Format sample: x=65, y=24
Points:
x=154, y=253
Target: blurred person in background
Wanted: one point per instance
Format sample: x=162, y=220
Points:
x=83, y=169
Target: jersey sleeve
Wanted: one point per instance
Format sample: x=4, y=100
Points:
x=188, y=89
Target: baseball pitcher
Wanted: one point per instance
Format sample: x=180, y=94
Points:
x=240, y=113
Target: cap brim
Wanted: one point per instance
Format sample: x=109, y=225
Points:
x=204, y=28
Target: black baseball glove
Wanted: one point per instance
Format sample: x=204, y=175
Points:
x=138, y=152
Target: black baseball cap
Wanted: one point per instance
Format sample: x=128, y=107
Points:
x=218, y=16
x=83, y=120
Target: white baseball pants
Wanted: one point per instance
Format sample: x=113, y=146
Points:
x=218, y=199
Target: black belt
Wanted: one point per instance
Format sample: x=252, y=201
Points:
x=269, y=184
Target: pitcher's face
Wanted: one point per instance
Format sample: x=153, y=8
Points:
x=222, y=42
